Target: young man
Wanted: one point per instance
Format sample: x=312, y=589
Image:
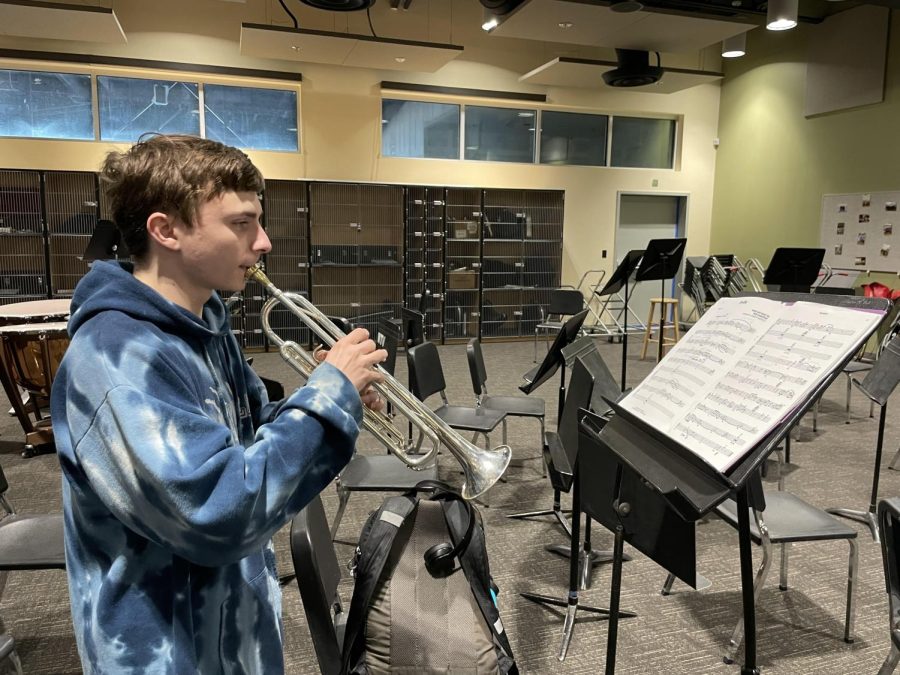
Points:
x=177, y=470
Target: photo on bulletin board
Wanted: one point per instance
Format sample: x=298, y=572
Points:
x=857, y=231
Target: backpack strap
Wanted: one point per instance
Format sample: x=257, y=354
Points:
x=474, y=563
x=373, y=551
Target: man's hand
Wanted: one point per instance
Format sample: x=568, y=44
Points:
x=355, y=355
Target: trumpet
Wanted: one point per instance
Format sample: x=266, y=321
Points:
x=481, y=467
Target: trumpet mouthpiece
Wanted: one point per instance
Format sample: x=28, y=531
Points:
x=256, y=273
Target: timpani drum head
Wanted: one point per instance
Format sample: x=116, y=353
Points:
x=34, y=311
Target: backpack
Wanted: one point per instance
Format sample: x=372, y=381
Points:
x=420, y=606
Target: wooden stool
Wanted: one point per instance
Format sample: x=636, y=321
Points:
x=673, y=324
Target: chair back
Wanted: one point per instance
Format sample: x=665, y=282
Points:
x=426, y=376
x=565, y=302
x=889, y=532
x=318, y=574
x=476, y=366
x=388, y=335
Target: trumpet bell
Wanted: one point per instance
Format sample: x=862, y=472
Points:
x=484, y=470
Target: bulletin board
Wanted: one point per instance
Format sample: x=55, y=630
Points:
x=861, y=231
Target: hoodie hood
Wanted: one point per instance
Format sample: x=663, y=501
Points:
x=111, y=286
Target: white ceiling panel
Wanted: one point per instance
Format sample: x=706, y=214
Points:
x=343, y=49
x=578, y=23
x=55, y=21
x=583, y=73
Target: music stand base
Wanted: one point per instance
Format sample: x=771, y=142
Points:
x=572, y=607
x=558, y=514
x=867, y=518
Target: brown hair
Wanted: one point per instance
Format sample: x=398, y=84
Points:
x=173, y=175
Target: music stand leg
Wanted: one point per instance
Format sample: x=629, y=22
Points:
x=625, y=338
x=615, y=592
x=747, y=591
x=662, y=317
x=867, y=518
x=571, y=602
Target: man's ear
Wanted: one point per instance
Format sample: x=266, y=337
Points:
x=162, y=230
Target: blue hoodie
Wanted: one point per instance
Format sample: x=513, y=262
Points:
x=177, y=472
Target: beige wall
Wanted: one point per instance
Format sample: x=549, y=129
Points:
x=341, y=116
x=774, y=165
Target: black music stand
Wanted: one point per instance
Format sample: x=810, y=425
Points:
x=878, y=385
x=585, y=374
x=794, y=270
x=617, y=281
x=106, y=243
x=648, y=462
x=661, y=262
x=413, y=327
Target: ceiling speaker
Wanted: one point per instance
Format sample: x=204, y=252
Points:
x=634, y=69
x=339, y=5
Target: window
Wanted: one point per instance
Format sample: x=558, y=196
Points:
x=248, y=117
x=131, y=107
x=500, y=134
x=419, y=129
x=572, y=138
x=643, y=142
x=37, y=104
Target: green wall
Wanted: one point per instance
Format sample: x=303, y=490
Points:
x=773, y=165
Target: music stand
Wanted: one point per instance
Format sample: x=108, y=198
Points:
x=620, y=279
x=878, y=385
x=585, y=377
x=105, y=243
x=553, y=360
x=413, y=327
x=794, y=270
x=661, y=262
x=646, y=459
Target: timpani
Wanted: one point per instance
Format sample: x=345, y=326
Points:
x=30, y=355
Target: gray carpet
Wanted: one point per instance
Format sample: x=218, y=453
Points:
x=800, y=631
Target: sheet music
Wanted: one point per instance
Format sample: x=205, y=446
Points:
x=741, y=369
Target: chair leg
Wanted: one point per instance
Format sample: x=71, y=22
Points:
x=816, y=414
x=737, y=636
x=667, y=584
x=783, y=575
x=894, y=460
x=847, y=421
x=543, y=463
x=890, y=663
x=343, y=498
x=851, y=590
x=647, y=332
x=17, y=663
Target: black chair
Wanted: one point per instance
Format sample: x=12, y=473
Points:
x=888, y=524
x=318, y=575
x=378, y=473
x=426, y=377
x=513, y=406
x=788, y=519
x=563, y=302
x=27, y=543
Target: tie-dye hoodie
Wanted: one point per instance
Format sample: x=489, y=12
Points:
x=177, y=472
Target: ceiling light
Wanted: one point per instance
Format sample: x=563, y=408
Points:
x=734, y=46
x=490, y=23
x=565, y=24
x=782, y=14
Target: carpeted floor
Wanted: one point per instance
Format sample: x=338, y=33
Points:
x=800, y=631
